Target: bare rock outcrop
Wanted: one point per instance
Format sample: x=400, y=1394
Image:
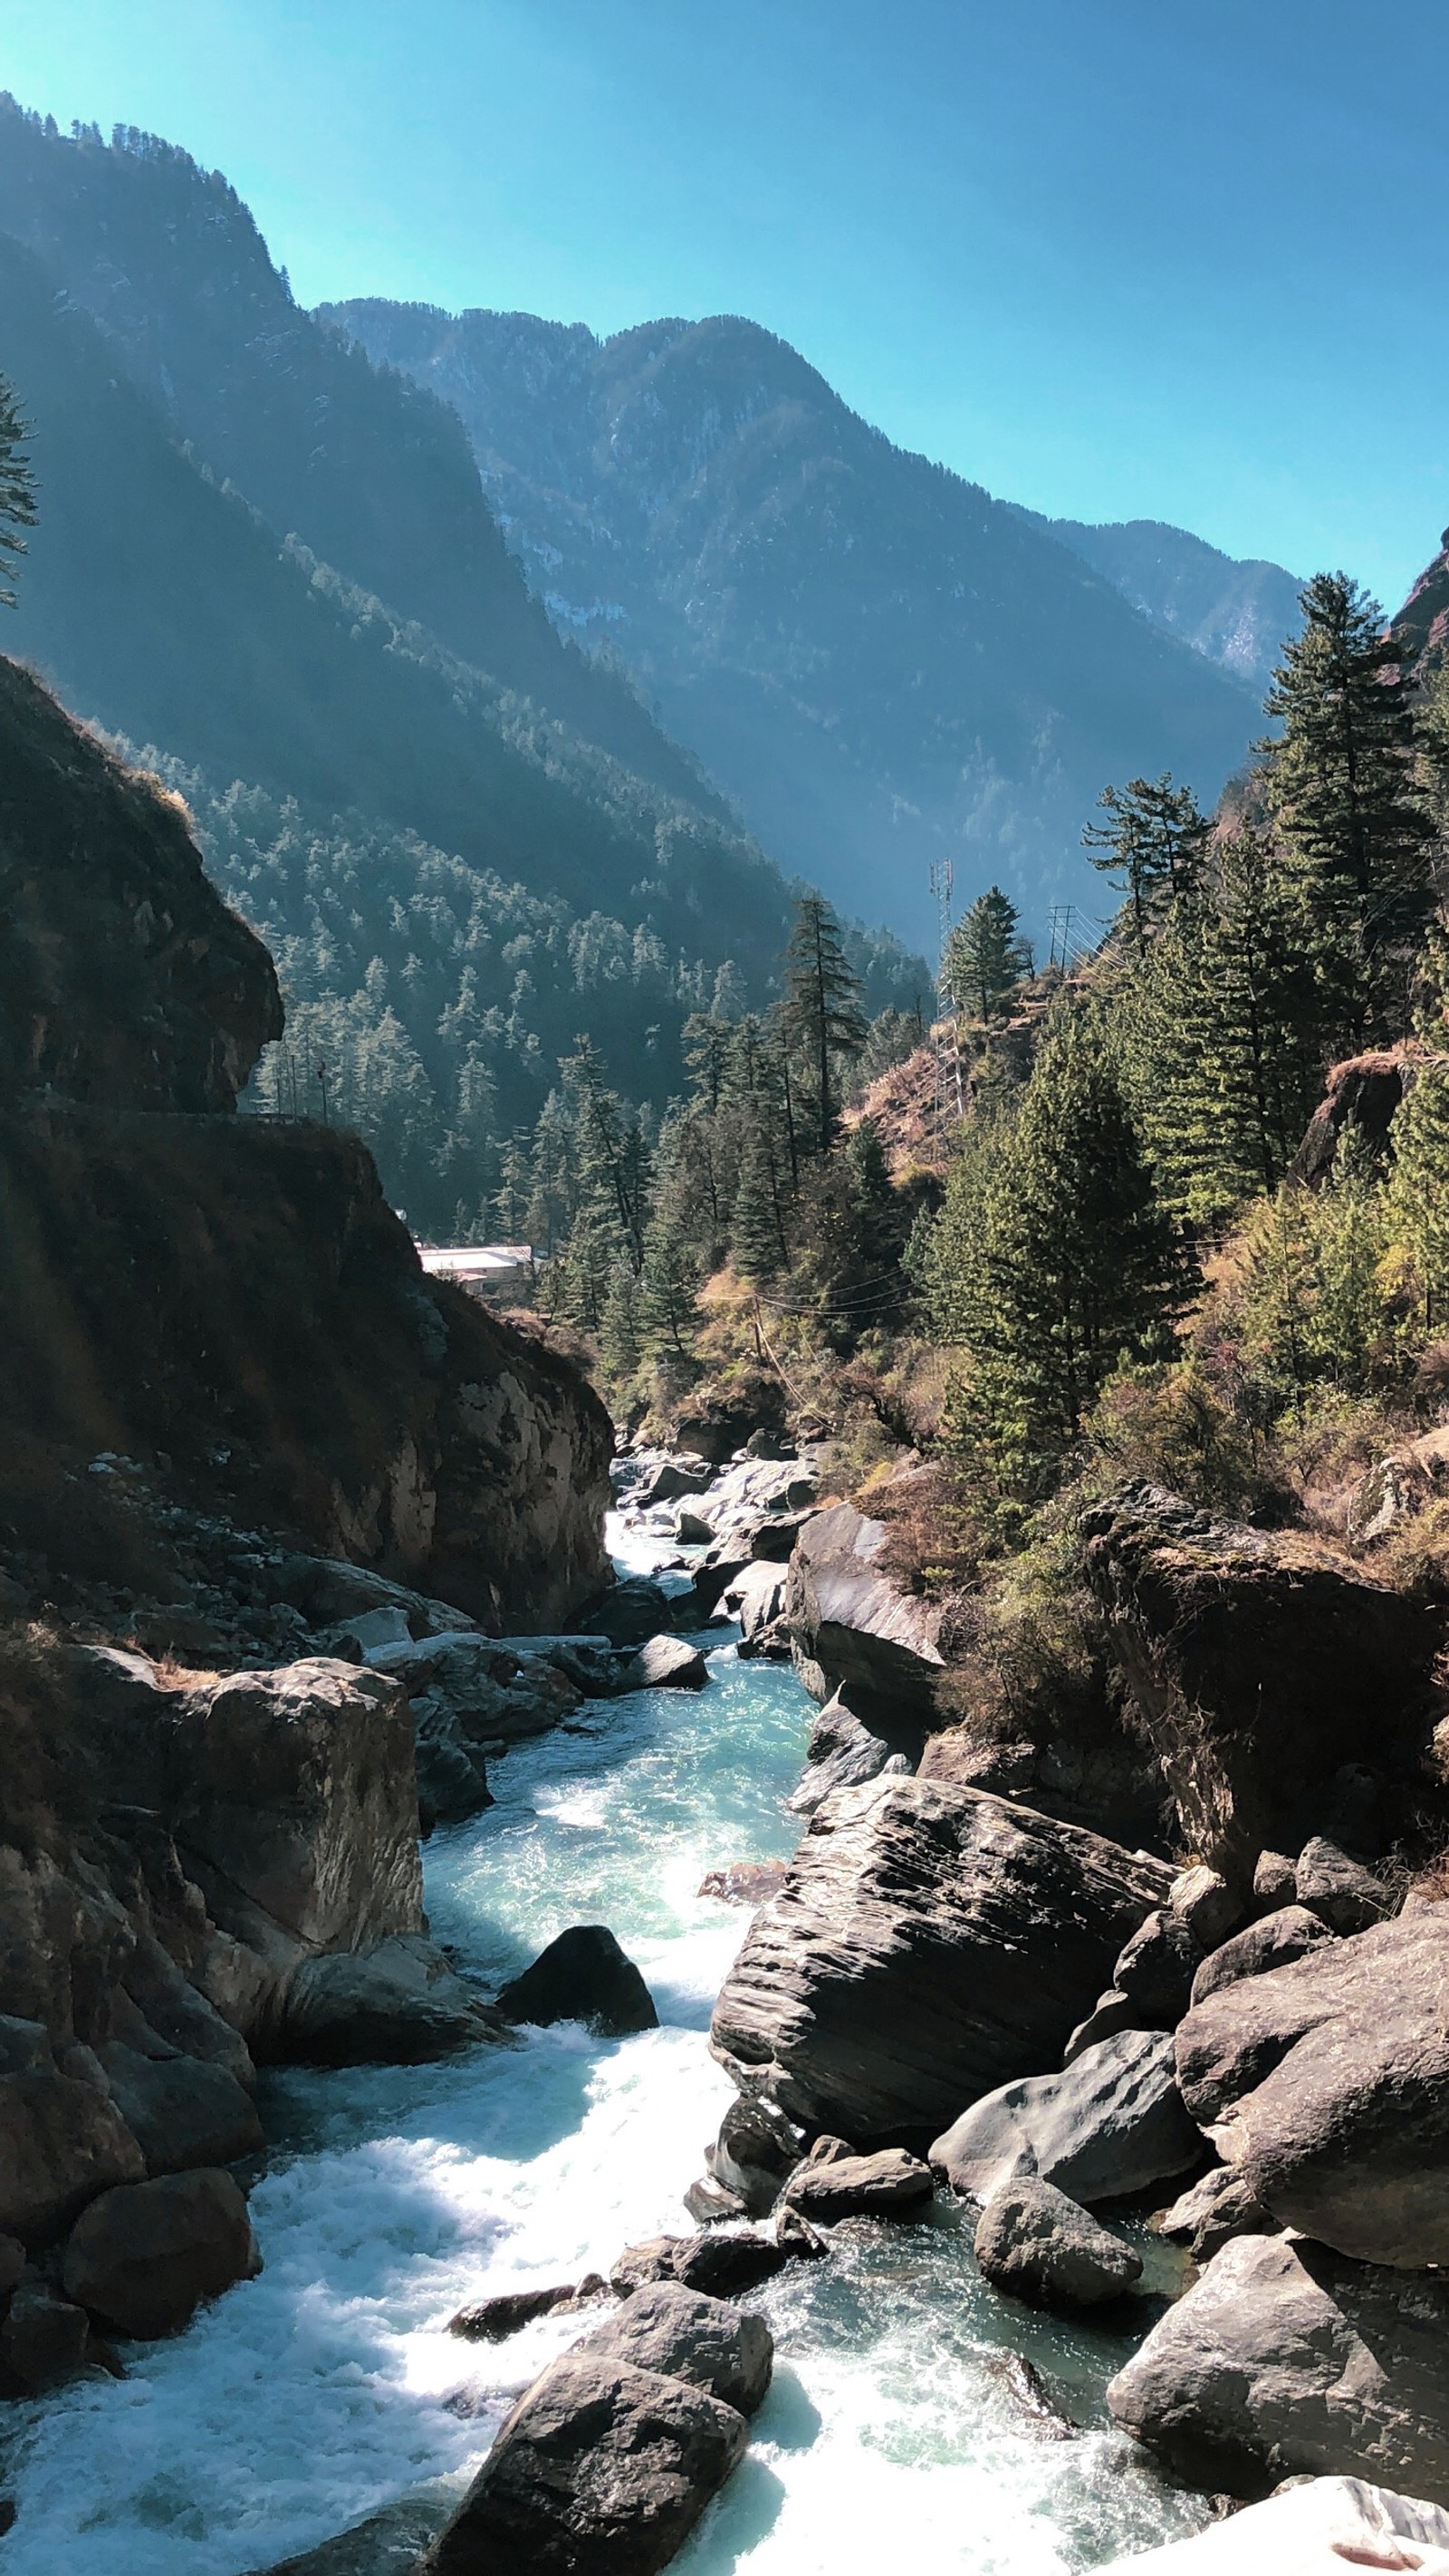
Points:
x=929, y=1943
x=1261, y=1664
x=1325, y=2085
x=853, y=1625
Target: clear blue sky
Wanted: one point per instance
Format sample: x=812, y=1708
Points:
x=1179, y=259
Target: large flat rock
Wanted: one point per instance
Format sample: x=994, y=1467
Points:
x=1325, y=2083
x=930, y=1943
x=1318, y=2529
x=851, y=1623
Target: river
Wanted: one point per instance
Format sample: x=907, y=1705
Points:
x=328, y=2387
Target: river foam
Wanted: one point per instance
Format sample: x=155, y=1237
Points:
x=328, y=2387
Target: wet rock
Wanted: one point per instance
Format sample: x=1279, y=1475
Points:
x=1287, y=2358
x=853, y=1625
x=1038, y=2408
x=582, y=1976
x=755, y=1597
x=45, y=2340
x=61, y=2141
x=842, y=1753
x=146, y=2256
x=1314, y=2527
x=723, y=2264
x=744, y=1882
x=601, y=2470
x=706, y=2342
x=1036, y=2244
x=452, y=1778
x=1155, y=1970
x=1274, y=1941
x=1275, y=1880
x=668, y=1663
x=885, y=2185
x=929, y=1943
x=1109, y=2125
x=506, y=2313
x=1326, y=2086
x=389, y=2543
x=180, y=2112
x=1219, y=2206
x=1345, y=1896
x=1203, y=1900
x=710, y=2203
x=1260, y=1663
x=756, y=2150
x=798, y=2239
x=398, y=2005
x=630, y=1612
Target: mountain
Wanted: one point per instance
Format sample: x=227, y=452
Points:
x=1423, y=621
x=1237, y=614
x=464, y=837
x=879, y=662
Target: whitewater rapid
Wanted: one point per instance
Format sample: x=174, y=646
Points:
x=328, y=2387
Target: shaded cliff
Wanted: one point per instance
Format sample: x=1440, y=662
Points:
x=228, y=1307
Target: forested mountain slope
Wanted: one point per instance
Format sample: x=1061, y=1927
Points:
x=880, y=662
x=1237, y=614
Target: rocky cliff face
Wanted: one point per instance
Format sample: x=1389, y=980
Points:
x=225, y=1312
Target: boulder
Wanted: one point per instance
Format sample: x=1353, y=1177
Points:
x=1218, y=2206
x=669, y=1663
x=1038, y=2245
x=853, y=1625
x=582, y=1976
x=507, y=2312
x=757, y=2149
x=842, y=1753
x=1316, y=2527
x=452, y=1778
x=61, y=2142
x=1156, y=1968
x=1109, y=2125
x=744, y=1882
x=1326, y=2086
x=1345, y=1896
x=672, y=1478
x=1110, y=2013
x=389, y=2543
x=180, y=2112
x=1274, y=1941
x=712, y=2204
x=602, y=2469
x=629, y=1612
x=724, y=2264
x=144, y=2257
x=1275, y=1881
x=44, y=2340
x=1203, y=1900
x=683, y=2335
x=930, y=1942
x=1284, y=2359
x=398, y=2005
x=1261, y=1664
x=754, y=1597
x=885, y=2185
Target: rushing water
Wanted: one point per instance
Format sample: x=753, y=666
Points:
x=327, y=2387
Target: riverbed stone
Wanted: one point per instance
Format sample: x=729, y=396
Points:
x=1202, y=1899
x=398, y=2005
x=1156, y=1969
x=1109, y=2125
x=885, y=2185
x=45, y=2340
x=1274, y=1941
x=930, y=1943
x=709, y=2343
x=671, y=1663
x=1218, y=2206
x=725, y=2262
x=1035, y=2243
x=1346, y=1896
x=583, y=1975
x=756, y=2149
x=61, y=2141
x=1286, y=2358
x=493, y=2320
x=180, y=2112
x=1326, y=2085
x=602, y=2469
x=145, y=2256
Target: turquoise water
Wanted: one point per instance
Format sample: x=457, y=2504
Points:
x=308, y=2398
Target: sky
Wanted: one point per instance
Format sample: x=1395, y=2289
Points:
x=1175, y=259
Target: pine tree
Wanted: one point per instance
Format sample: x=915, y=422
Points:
x=1344, y=796
x=1066, y=1264
x=668, y=1282
x=613, y=1166
x=756, y=1230
x=1152, y=845
x=621, y=1335
x=1417, y=1197
x=821, y=1012
x=17, y=491
x=986, y=958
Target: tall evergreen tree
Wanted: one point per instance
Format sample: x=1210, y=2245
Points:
x=1151, y=845
x=1345, y=799
x=1064, y=1266
x=821, y=1010
x=17, y=490
x=986, y=957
